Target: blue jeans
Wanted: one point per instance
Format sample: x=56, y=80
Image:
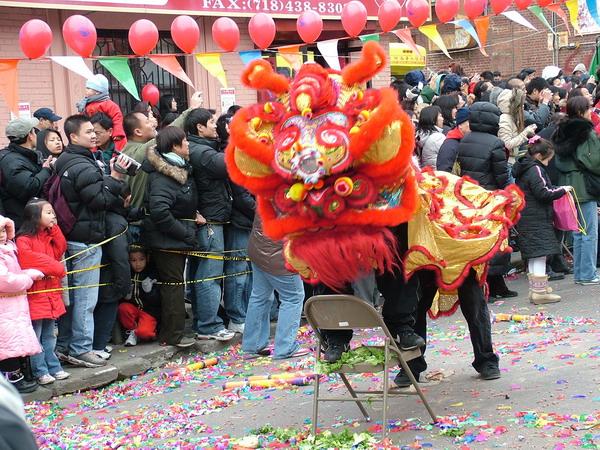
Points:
x=585, y=246
x=235, y=296
x=257, y=329
x=46, y=362
x=207, y=297
x=76, y=327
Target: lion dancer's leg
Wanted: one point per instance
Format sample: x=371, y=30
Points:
x=337, y=341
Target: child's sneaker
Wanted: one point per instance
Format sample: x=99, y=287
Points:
x=46, y=379
x=61, y=375
x=131, y=339
x=101, y=354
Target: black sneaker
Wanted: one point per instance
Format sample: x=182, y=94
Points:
x=334, y=351
x=409, y=340
x=401, y=380
x=554, y=276
x=25, y=387
x=506, y=294
x=490, y=372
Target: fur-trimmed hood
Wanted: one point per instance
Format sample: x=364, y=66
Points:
x=155, y=162
x=570, y=135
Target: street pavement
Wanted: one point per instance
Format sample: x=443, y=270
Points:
x=547, y=396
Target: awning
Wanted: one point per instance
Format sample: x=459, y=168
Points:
x=403, y=59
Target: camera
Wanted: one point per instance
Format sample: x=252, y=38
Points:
x=132, y=170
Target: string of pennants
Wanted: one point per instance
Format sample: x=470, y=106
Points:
x=119, y=68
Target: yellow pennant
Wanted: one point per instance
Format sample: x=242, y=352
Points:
x=212, y=63
x=432, y=33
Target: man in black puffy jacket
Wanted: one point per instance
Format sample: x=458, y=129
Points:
x=483, y=157
x=89, y=193
x=23, y=174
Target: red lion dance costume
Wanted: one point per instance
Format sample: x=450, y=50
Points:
x=330, y=164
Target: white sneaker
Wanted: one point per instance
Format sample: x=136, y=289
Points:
x=101, y=354
x=108, y=348
x=131, y=339
x=221, y=335
x=236, y=327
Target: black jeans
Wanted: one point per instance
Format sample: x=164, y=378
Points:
x=170, y=269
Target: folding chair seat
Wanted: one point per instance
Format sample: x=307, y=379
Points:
x=346, y=312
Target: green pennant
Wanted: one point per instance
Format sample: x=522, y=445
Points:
x=540, y=15
x=119, y=68
x=595, y=63
x=369, y=37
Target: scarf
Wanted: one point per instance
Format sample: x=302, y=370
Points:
x=81, y=104
x=174, y=159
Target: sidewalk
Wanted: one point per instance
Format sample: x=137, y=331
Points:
x=124, y=363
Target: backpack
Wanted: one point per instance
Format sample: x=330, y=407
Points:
x=52, y=191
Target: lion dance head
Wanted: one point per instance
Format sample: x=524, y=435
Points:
x=330, y=164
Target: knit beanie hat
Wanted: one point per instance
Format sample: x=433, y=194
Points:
x=98, y=83
x=452, y=83
x=462, y=115
x=414, y=77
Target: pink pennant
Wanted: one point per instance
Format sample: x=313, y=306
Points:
x=406, y=37
x=171, y=65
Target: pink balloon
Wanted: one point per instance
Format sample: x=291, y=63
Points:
x=262, y=30
x=143, y=37
x=445, y=10
x=309, y=26
x=354, y=18
x=35, y=38
x=80, y=35
x=150, y=94
x=226, y=33
x=185, y=33
x=417, y=11
x=500, y=6
x=523, y=4
x=474, y=8
x=389, y=14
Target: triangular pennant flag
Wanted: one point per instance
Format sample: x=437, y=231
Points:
x=592, y=7
x=405, y=36
x=9, y=84
x=250, y=55
x=369, y=37
x=212, y=63
x=573, y=7
x=556, y=9
x=537, y=11
x=74, y=64
x=482, y=25
x=595, y=62
x=291, y=54
x=329, y=51
x=119, y=68
x=171, y=65
x=466, y=25
x=518, y=18
x=432, y=33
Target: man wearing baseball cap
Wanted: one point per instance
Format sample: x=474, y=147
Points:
x=23, y=174
x=47, y=119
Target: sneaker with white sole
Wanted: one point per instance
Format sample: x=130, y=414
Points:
x=131, y=339
x=87, y=359
x=46, y=379
x=108, y=348
x=61, y=375
x=221, y=335
x=185, y=342
x=236, y=327
x=592, y=282
x=101, y=354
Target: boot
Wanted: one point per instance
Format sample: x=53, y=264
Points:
x=17, y=379
x=539, y=292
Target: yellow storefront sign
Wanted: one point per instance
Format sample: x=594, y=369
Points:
x=403, y=59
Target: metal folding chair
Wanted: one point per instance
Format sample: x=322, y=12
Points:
x=345, y=312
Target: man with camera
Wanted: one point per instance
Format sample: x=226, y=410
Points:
x=89, y=193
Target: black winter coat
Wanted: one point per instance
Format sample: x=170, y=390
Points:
x=170, y=205
x=212, y=180
x=89, y=193
x=115, y=253
x=448, y=151
x=481, y=154
x=22, y=179
x=146, y=301
x=244, y=205
x=536, y=233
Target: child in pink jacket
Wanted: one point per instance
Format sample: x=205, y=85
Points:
x=17, y=338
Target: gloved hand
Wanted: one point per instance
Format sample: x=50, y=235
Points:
x=147, y=284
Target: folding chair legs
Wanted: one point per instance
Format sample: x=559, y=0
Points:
x=353, y=394
x=315, y=404
x=414, y=382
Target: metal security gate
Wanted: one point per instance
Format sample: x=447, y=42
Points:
x=115, y=43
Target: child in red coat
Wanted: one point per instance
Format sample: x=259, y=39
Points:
x=40, y=245
x=97, y=100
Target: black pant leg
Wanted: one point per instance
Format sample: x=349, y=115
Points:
x=170, y=269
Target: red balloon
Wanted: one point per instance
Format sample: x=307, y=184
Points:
x=143, y=37
x=309, y=26
x=417, y=11
x=474, y=8
x=185, y=33
x=226, y=33
x=80, y=34
x=445, y=10
x=354, y=18
x=35, y=38
x=262, y=30
x=150, y=94
x=389, y=14
x=500, y=6
x=543, y=3
x=523, y=4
